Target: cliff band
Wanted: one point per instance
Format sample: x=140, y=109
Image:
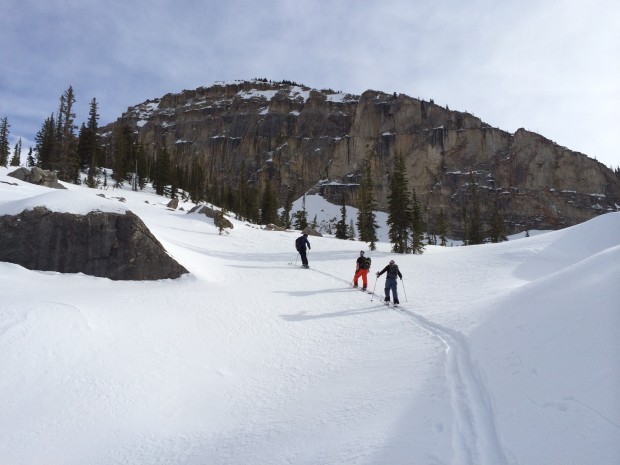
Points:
x=312, y=140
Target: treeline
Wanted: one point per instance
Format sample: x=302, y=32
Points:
x=82, y=157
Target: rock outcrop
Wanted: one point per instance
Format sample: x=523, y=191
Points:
x=215, y=215
x=37, y=176
x=302, y=139
x=109, y=245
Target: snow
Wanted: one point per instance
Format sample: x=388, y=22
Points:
x=295, y=92
x=340, y=97
x=500, y=353
x=255, y=93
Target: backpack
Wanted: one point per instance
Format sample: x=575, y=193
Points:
x=299, y=243
x=392, y=271
x=367, y=262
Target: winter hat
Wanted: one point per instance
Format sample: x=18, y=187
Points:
x=361, y=252
x=391, y=262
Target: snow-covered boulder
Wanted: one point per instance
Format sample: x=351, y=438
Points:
x=37, y=176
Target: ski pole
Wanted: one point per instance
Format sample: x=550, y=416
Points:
x=296, y=257
x=404, y=290
x=373, y=288
x=353, y=280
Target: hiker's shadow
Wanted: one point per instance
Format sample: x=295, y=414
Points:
x=304, y=315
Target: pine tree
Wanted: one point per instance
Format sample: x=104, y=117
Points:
x=253, y=212
x=4, y=141
x=475, y=228
x=341, y=226
x=366, y=217
x=269, y=205
x=431, y=237
x=399, y=208
x=285, y=217
x=301, y=216
x=242, y=192
x=66, y=163
x=442, y=228
x=140, y=165
x=497, y=228
x=417, y=236
x=17, y=153
x=162, y=172
x=465, y=225
x=196, y=182
x=46, y=143
x=174, y=181
x=30, y=160
x=91, y=175
x=89, y=145
x=123, y=156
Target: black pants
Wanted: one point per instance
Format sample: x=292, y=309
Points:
x=304, y=258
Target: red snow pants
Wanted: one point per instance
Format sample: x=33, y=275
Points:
x=361, y=273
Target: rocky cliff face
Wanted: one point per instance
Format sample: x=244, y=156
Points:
x=302, y=139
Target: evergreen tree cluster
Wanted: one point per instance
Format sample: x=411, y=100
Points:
x=56, y=142
x=366, y=217
x=4, y=145
x=404, y=213
x=475, y=231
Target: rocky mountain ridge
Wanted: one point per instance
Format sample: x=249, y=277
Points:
x=310, y=140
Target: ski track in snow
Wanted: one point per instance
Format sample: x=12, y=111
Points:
x=475, y=437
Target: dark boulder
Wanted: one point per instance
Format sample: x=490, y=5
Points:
x=104, y=244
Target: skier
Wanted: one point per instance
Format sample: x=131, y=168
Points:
x=390, y=281
x=300, y=245
x=362, y=265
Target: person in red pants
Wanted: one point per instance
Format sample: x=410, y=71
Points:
x=362, y=265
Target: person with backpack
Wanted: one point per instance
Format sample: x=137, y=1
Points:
x=362, y=265
x=390, y=281
x=300, y=244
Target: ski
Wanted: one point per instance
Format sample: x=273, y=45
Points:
x=391, y=305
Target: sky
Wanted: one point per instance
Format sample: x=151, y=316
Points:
x=498, y=354
x=549, y=67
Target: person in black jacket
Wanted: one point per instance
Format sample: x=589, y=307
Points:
x=390, y=281
x=300, y=244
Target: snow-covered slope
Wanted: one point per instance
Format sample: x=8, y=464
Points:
x=501, y=354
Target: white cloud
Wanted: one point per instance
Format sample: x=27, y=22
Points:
x=549, y=67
